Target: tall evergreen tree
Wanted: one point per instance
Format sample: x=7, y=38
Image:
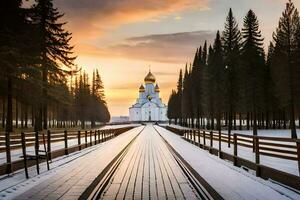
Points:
x=54, y=46
x=217, y=78
x=14, y=48
x=178, y=98
x=285, y=63
x=231, y=40
x=253, y=66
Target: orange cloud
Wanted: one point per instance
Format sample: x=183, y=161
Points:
x=90, y=18
x=164, y=48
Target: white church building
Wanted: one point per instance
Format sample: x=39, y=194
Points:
x=149, y=106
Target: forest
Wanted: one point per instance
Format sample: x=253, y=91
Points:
x=235, y=83
x=41, y=87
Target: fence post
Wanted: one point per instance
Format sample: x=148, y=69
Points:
x=49, y=145
x=91, y=142
x=37, y=146
x=220, y=144
x=8, y=153
x=79, y=140
x=298, y=154
x=95, y=136
x=194, y=135
x=23, y=140
x=85, y=137
x=98, y=136
x=257, y=159
x=204, y=143
x=210, y=141
x=66, y=142
x=235, y=153
x=198, y=138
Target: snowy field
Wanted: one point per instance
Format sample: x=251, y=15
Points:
x=229, y=181
x=17, y=153
x=289, y=166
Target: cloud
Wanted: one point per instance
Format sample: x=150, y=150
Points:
x=91, y=18
x=164, y=48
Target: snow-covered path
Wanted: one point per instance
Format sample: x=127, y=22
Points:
x=149, y=170
x=229, y=181
x=68, y=177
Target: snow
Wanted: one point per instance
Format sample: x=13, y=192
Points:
x=15, y=184
x=285, y=165
x=229, y=181
x=17, y=153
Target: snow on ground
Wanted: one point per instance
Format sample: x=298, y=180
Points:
x=289, y=166
x=15, y=184
x=229, y=181
x=286, y=133
x=17, y=153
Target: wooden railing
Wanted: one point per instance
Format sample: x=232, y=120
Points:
x=284, y=148
x=13, y=142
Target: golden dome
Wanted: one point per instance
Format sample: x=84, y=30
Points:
x=142, y=89
x=150, y=78
x=156, y=88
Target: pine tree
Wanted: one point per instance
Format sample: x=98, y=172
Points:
x=253, y=66
x=14, y=49
x=218, y=77
x=178, y=98
x=231, y=47
x=54, y=45
x=285, y=63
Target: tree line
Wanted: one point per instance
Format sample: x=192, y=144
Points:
x=234, y=80
x=37, y=87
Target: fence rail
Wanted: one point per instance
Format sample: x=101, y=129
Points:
x=283, y=148
x=71, y=141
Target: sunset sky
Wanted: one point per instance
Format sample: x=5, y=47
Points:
x=123, y=37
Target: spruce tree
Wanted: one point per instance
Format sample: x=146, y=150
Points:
x=231, y=40
x=178, y=98
x=14, y=49
x=217, y=79
x=253, y=66
x=285, y=63
x=54, y=45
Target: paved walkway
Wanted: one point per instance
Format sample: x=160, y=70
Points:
x=149, y=171
x=71, y=180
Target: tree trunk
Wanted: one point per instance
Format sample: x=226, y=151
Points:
x=229, y=127
x=240, y=121
x=26, y=116
x=9, y=120
x=234, y=121
x=3, y=112
x=292, y=123
x=17, y=113
x=254, y=123
x=267, y=120
x=22, y=115
x=284, y=120
x=38, y=122
x=248, y=124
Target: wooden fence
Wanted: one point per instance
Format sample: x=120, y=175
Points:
x=15, y=142
x=284, y=148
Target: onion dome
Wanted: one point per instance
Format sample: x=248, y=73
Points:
x=156, y=88
x=142, y=89
x=150, y=78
